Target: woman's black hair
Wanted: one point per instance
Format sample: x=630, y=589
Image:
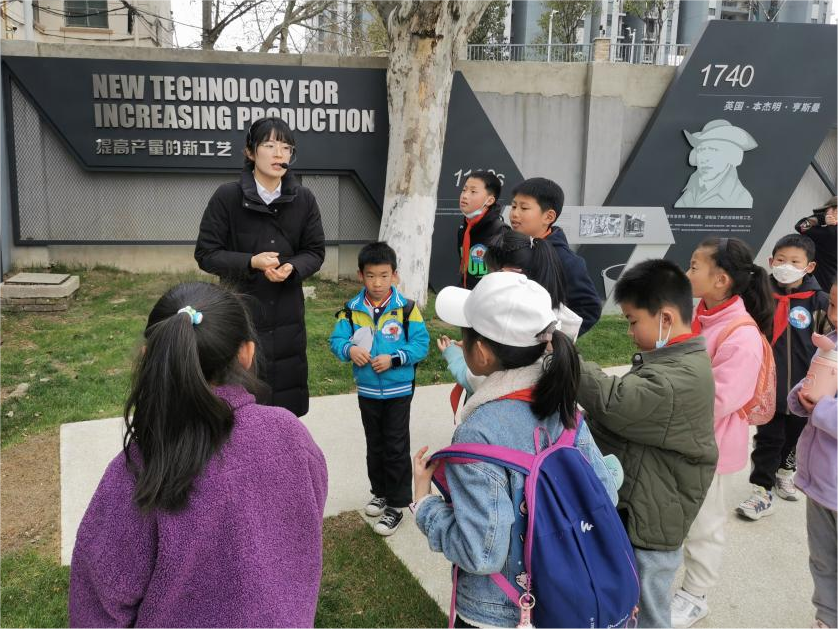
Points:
x=178, y=422
x=263, y=130
x=748, y=280
x=535, y=257
x=556, y=389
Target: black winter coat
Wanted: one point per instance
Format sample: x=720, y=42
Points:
x=481, y=236
x=238, y=225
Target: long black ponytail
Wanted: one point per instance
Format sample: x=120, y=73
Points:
x=178, y=422
x=557, y=386
x=748, y=280
x=536, y=258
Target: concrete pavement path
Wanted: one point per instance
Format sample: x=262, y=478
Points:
x=765, y=580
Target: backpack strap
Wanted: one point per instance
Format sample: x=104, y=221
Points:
x=407, y=310
x=731, y=327
x=347, y=312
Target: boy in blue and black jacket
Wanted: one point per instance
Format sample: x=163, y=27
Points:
x=799, y=310
x=383, y=334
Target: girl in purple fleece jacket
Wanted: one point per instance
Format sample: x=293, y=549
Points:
x=212, y=514
x=816, y=477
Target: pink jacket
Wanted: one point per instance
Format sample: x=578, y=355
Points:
x=736, y=364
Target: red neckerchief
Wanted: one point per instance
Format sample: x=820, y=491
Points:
x=470, y=222
x=703, y=311
x=525, y=395
x=781, y=312
x=681, y=338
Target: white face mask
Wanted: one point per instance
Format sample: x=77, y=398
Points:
x=661, y=342
x=787, y=273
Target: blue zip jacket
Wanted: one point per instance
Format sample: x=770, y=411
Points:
x=389, y=339
x=582, y=297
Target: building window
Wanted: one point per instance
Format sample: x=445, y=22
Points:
x=87, y=13
x=712, y=11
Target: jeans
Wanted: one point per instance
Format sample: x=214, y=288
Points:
x=657, y=570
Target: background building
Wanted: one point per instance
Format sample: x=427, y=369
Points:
x=679, y=22
x=145, y=23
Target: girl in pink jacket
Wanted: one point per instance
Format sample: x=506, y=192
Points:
x=730, y=286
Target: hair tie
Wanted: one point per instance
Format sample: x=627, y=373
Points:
x=194, y=315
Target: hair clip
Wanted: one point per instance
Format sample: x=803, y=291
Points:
x=194, y=315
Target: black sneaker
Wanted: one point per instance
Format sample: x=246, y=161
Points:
x=389, y=522
x=375, y=507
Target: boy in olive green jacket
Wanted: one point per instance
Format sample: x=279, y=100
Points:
x=658, y=420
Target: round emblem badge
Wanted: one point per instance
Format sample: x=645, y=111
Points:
x=477, y=253
x=800, y=318
x=392, y=330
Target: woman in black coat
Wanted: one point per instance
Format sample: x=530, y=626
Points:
x=263, y=235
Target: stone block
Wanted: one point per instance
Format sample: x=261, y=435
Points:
x=39, y=285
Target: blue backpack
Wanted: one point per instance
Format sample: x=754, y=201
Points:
x=580, y=567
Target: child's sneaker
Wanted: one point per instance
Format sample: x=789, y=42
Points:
x=687, y=609
x=375, y=507
x=758, y=505
x=784, y=484
x=389, y=522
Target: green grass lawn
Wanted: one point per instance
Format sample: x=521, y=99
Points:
x=77, y=365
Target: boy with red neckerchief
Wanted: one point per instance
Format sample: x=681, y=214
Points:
x=801, y=308
x=658, y=421
x=732, y=290
x=482, y=224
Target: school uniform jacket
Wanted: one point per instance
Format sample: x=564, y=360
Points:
x=389, y=338
x=236, y=226
x=794, y=350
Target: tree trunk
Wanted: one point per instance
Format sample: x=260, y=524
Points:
x=424, y=40
x=206, y=24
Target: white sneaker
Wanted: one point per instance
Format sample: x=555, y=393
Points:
x=784, y=484
x=759, y=504
x=687, y=609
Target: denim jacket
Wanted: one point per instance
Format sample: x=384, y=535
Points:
x=476, y=532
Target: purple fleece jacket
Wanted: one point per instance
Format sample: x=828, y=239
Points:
x=245, y=552
x=817, y=474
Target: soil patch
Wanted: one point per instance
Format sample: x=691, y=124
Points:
x=30, y=495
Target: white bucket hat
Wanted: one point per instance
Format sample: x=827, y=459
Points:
x=505, y=307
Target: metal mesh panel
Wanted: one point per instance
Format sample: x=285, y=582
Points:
x=58, y=201
x=826, y=156
x=358, y=218
x=327, y=193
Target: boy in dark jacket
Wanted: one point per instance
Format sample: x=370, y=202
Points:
x=658, y=421
x=482, y=224
x=536, y=205
x=800, y=309
x=382, y=333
